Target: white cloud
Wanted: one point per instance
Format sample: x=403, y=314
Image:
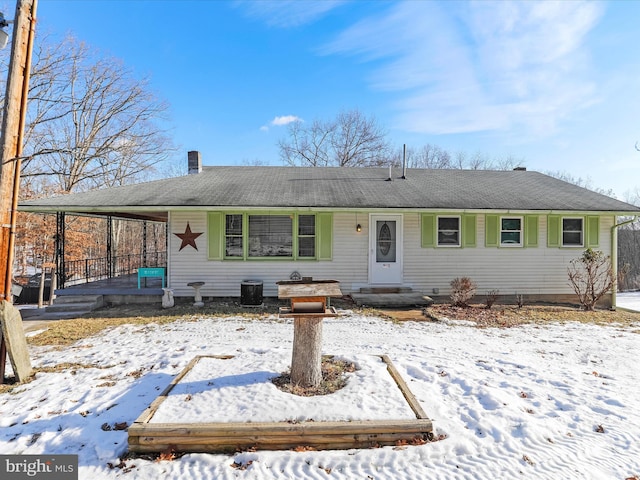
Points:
x=285, y=120
x=288, y=13
x=281, y=121
x=478, y=66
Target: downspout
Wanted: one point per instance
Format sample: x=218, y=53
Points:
x=614, y=257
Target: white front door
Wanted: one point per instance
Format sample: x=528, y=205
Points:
x=385, y=249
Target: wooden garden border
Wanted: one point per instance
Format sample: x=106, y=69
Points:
x=234, y=436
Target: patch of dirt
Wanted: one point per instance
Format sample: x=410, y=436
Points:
x=333, y=379
x=65, y=332
x=512, y=315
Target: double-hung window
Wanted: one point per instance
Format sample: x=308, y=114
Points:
x=511, y=231
x=306, y=236
x=448, y=231
x=572, y=232
x=233, y=236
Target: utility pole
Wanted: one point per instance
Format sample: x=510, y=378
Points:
x=11, y=142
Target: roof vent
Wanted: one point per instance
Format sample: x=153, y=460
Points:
x=520, y=169
x=195, y=162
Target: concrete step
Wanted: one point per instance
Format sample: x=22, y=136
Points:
x=391, y=300
x=62, y=299
x=71, y=307
x=75, y=304
x=383, y=290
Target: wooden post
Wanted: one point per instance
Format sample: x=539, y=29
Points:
x=306, y=359
x=11, y=139
x=12, y=134
x=308, y=308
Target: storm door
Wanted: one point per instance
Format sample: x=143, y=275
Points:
x=385, y=250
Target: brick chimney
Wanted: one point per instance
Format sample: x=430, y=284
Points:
x=195, y=162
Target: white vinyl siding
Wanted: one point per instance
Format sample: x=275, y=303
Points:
x=530, y=271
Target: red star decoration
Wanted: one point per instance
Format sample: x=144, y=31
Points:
x=188, y=237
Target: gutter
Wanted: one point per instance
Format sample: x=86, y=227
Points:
x=614, y=256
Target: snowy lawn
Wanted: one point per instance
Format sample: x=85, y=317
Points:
x=537, y=401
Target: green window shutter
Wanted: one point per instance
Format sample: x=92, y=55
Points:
x=215, y=233
x=531, y=230
x=593, y=231
x=324, y=235
x=468, y=230
x=553, y=230
x=491, y=232
x=428, y=230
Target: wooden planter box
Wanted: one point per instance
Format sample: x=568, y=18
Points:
x=145, y=436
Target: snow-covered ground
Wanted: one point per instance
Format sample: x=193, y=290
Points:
x=537, y=402
x=630, y=300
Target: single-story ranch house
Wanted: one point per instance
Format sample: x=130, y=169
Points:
x=512, y=231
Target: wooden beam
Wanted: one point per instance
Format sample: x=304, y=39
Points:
x=145, y=436
x=409, y=397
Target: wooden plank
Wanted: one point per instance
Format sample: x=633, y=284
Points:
x=275, y=439
x=231, y=448
x=325, y=441
x=287, y=313
x=15, y=341
x=279, y=428
x=411, y=399
x=266, y=441
x=309, y=290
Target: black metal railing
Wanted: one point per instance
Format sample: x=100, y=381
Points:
x=93, y=269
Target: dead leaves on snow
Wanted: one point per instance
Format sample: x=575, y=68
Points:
x=241, y=466
x=122, y=466
x=116, y=426
x=528, y=460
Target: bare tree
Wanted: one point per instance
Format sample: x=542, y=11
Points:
x=629, y=256
x=428, y=156
x=433, y=156
x=629, y=248
x=308, y=146
x=579, y=181
x=91, y=122
x=358, y=141
x=351, y=140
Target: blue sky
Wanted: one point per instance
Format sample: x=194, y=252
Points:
x=555, y=84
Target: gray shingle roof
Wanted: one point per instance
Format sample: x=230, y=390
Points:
x=283, y=187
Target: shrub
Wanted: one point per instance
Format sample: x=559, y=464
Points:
x=492, y=297
x=462, y=291
x=591, y=277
